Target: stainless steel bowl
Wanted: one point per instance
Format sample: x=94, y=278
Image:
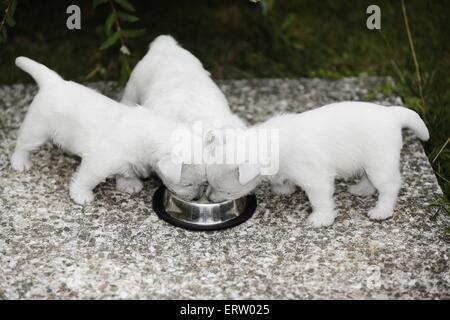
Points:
x=202, y=214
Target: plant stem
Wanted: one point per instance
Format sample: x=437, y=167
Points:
x=413, y=51
x=441, y=150
x=92, y=73
x=2, y=24
x=116, y=21
x=441, y=176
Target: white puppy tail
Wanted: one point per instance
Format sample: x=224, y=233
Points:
x=40, y=73
x=410, y=119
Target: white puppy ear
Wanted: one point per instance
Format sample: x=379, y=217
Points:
x=248, y=172
x=170, y=170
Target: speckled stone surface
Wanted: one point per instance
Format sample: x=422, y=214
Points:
x=118, y=248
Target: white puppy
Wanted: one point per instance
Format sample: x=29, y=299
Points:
x=337, y=140
x=172, y=82
x=111, y=138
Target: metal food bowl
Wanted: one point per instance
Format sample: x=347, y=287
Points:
x=202, y=215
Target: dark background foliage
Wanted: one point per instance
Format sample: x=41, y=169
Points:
x=236, y=39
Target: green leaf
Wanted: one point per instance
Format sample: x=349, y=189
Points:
x=98, y=2
x=110, y=41
x=127, y=17
x=109, y=23
x=133, y=33
x=125, y=4
x=125, y=69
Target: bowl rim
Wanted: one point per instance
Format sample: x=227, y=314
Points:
x=158, y=207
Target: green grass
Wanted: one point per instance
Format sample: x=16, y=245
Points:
x=297, y=38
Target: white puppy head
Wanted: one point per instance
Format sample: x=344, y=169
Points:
x=187, y=181
x=228, y=182
x=178, y=168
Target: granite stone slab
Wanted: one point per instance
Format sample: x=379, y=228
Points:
x=118, y=248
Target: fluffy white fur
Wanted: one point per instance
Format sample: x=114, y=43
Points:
x=337, y=140
x=172, y=82
x=111, y=138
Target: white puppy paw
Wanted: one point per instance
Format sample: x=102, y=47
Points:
x=129, y=185
x=20, y=162
x=81, y=196
x=321, y=219
x=361, y=189
x=379, y=214
x=286, y=188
